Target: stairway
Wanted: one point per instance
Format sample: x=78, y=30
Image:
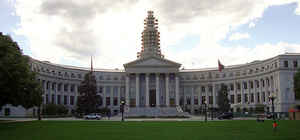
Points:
x=155, y=112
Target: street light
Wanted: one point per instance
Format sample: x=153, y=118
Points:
x=272, y=97
x=122, y=109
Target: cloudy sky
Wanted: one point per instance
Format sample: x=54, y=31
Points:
x=195, y=33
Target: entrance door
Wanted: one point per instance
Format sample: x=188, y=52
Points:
x=152, y=98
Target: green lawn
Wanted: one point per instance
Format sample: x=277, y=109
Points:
x=103, y=130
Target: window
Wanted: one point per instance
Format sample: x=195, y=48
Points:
x=107, y=101
x=196, y=101
x=258, y=99
x=53, y=99
x=239, y=98
x=47, y=99
x=66, y=87
x=210, y=99
x=100, y=89
x=286, y=64
x=246, y=98
x=71, y=100
x=65, y=100
x=58, y=99
x=72, y=88
x=245, y=85
x=295, y=64
x=251, y=84
x=115, y=101
x=210, y=89
x=252, y=98
x=232, y=99
x=203, y=99
x=203, y=89
x=188, y=100
x=238, y=86
x=231, y=87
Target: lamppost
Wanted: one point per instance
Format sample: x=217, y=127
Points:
x=205, y=111
x=272, y=97
x=122, y=109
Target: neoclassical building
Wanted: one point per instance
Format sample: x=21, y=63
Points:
x=152, y=81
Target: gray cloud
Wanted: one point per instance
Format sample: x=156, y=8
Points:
x=80, y=41
x=179, y=11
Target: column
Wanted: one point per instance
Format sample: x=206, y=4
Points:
x=104, y=96
x=167, y=90
x=199, y=95
x=249, y=91
x=157, y=90
x=235, y=92
x=127, y=90
x=177, y=90
x=242, y=92
x=147, y=90
x=192, y=100
x=207, y=95
x=214, y=95
x=255, y=91
x=112, y=96
x=137, y=89
x=119, y=95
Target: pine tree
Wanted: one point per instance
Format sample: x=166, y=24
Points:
x=88, y=101
x=223, y=101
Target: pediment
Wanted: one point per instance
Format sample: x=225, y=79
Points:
x=152, y=62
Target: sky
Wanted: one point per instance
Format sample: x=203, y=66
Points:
x=195, y=33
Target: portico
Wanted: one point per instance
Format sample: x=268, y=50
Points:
x=152, y=82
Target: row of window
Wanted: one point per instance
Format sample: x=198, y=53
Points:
x=60, y=99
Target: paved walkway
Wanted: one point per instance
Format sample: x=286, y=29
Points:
x=118, y=118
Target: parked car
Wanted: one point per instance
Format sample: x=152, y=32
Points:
x=269, y=116
x=226, y=115
x=92, y=116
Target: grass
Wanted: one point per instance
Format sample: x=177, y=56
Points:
x=186, y=130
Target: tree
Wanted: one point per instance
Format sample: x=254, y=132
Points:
x=223, y=101
x=88, y=100
x=18, y=84
x=297, y=84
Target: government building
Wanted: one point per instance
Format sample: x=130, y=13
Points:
x=154, y=84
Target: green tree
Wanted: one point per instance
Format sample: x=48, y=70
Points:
x=297, y=84
x=18, y=84
x=223, y=101
x=88, y=100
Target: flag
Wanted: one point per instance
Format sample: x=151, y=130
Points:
x=220, y=65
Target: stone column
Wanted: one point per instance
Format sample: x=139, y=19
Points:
x=147, y=90
x=235, y=92
x=242, y=92
x=177, y=90
x=214, y=95
x=192, y=100
x=111, y=96
x=119, y=95
x=199, y=95
x=167, y=90
x=104, y=96
x=127, y=90
x=137, y=89
x=255, y=92
x=157, y=90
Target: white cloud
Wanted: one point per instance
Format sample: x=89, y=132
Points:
x=239, y=36
x=251, y=25
x=111, y=31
